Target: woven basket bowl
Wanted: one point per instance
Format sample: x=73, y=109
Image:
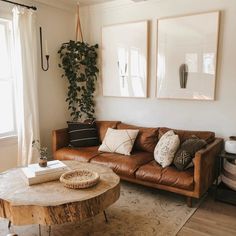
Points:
x=79, y=179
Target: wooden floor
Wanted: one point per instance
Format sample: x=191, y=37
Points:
x=211, y=218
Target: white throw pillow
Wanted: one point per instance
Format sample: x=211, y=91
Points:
x=119, y=141
x=166, y=148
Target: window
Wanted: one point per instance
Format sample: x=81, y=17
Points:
x=7, y=85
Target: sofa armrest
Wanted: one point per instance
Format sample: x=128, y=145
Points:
x=60, y=139
x=205, y=166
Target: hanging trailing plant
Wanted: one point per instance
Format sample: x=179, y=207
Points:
x=79, y=62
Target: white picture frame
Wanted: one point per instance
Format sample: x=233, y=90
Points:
x=187, y=56
x=124, y=60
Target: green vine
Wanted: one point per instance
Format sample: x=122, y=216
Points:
x=79, y=62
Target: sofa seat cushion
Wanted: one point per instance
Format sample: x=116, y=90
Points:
x=123, y=165
x=147, y=137
x=153, y=172
x=83, y=154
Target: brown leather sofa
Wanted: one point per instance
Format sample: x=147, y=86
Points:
x=141, y=167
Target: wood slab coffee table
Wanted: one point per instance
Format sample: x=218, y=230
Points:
x=51, y=203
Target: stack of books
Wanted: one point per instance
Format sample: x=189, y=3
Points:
x=34, y=174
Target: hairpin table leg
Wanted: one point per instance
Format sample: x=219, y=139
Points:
x=9, y=228
x=105, y=215
x=39, y=230
x=9, y=224
x=49, y=230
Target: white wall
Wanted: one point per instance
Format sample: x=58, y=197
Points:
x=58, y=26
x=218, y=116
x=8, y=152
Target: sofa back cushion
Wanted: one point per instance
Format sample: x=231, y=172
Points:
x=102, y=127
x=208, y=136
x=147, y=137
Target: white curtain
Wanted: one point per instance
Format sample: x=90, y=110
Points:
x=25, y=42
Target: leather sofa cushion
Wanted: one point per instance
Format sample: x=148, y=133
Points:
x=153, y=172
x=102, y=127
x=83, y=154
x=147, y=137
x=123, y=165
x=208, y=136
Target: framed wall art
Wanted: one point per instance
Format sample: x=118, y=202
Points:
x=124, y=59
x=187, y=56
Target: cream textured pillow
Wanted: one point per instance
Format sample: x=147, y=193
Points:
x=119, y=141
x=166, y=148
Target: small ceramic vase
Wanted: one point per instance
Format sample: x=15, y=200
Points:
x=43, y=161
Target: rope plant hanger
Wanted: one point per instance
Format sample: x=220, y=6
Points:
x=79, y=34
x=79, y=63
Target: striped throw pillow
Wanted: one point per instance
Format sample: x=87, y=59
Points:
x=83, y=135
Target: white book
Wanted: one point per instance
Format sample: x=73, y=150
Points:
x=52, y=166
x=31, y=178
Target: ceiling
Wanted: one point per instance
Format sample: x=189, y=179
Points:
x=70, y=4
x=90, y=2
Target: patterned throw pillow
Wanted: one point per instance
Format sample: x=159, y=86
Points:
x=166, y=147
x=184, y=156
x=83, y=134
x=119, y=141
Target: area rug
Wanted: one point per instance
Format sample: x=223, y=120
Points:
x=140, y=211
